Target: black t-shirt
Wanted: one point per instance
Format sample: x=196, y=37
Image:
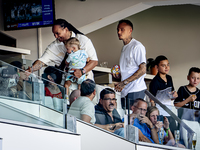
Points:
x=184, y=93
x=159, y=84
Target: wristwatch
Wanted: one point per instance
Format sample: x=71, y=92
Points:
x=83, y=71
x=125, y=82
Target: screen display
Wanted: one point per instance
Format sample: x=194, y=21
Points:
x=23, y=14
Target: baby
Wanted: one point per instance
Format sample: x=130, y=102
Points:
x=76, y=59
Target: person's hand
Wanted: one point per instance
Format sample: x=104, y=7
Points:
x=108, y=127
x=119, y=86
x=28, y=71
x=132, y=117
x=77, y=72
x=166, y=123
x=119, y=125
x=158, y=125
x=144, y=119
x=175, y=95
x=192, y=98
x=116, y=76
x=23, y=76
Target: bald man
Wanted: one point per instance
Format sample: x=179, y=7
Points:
x=74, y=95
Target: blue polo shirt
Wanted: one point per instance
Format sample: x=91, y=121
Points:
x=143, y=128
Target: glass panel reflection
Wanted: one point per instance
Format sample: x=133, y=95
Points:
x=26, y=93
x=168, y=130
x=97, y=105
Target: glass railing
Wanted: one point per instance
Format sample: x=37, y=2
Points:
x=43, y=98
x=162, y=124
x=26, y=62
x=31, y=95
x=111, y=115
x=101, y=110
x=189, y=126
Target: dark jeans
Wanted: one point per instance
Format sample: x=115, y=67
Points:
x=128, y=100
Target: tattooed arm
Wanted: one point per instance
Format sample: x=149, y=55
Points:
x=141, y=71
x=37, y=65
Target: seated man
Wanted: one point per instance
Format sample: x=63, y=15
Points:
x=83, y=108
x=74, y=95
x=106, y=115
x=147, y=132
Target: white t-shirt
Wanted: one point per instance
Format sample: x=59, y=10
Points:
x=55, y=52
x=132, y=55
x=83, y=106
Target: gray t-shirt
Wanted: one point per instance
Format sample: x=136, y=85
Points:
x=83, y=105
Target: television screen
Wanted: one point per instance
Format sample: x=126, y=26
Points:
x=23, y=14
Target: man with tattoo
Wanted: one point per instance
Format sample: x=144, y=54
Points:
x=132, y=65
x=56, y=51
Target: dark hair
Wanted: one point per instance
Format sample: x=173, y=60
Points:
x=87, y=87
x=127, y=22
x=106, y=91
x=54, y=73
x=193, y=69
x=135, y=102
x=17, y=64
x=63, y=23
x=159, y=59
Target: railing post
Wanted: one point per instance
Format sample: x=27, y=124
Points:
x=71, y=123
x=132, y=133
x=65, y=113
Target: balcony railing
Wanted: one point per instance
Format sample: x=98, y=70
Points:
x=46, y=101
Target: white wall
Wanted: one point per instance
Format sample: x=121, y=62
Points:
x=86, y=12
x=80, y=13
x=26, y=39
x=36, y=110
x=172, y=31
x=94, y=139
x=16, y=137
